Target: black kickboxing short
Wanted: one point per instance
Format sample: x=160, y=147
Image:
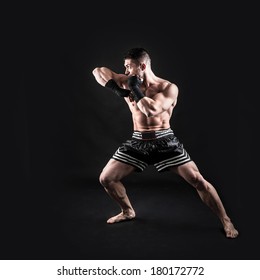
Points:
x=160, y=148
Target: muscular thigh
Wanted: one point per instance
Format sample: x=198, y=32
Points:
x=188, y=171
x=116, y=170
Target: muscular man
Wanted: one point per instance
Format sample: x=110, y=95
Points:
x=151, y=101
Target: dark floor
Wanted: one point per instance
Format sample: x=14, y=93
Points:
x=172, y=223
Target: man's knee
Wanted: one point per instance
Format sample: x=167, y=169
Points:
x=103, y=179
x=198, y=182
x=106, y=179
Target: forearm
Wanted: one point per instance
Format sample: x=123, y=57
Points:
x=145, y=104
x=105, y=77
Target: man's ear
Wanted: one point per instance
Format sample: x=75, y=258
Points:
x=143, y=66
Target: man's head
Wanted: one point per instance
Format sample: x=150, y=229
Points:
x=136, y=61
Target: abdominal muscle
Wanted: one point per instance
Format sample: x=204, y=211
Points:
x=142, y=123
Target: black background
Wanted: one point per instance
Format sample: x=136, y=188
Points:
x=60, y=127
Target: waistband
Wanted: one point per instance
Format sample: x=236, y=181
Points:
x=151, y=135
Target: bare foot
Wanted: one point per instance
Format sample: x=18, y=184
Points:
x=230, y=230
x=121, y=217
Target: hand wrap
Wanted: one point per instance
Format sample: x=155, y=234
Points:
x=134, y=83
x=111, y=84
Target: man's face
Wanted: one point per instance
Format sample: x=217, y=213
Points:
x=133, y=68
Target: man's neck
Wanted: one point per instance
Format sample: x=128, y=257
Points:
x=149, y=78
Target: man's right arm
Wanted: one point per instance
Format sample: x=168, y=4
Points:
x=103, y=75
x=109, y=79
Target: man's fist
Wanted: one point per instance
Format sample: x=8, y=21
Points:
x=134, y=81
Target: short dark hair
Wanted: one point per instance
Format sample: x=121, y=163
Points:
x=138, y=54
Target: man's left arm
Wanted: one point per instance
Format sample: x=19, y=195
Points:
x=152, y=107
x=159, y=103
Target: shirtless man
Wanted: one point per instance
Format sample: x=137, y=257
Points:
x=151, y=101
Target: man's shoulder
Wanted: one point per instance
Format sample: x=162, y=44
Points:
x=166, y=85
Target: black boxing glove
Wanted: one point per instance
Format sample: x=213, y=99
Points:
x=134, y=84
x=111, y=84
